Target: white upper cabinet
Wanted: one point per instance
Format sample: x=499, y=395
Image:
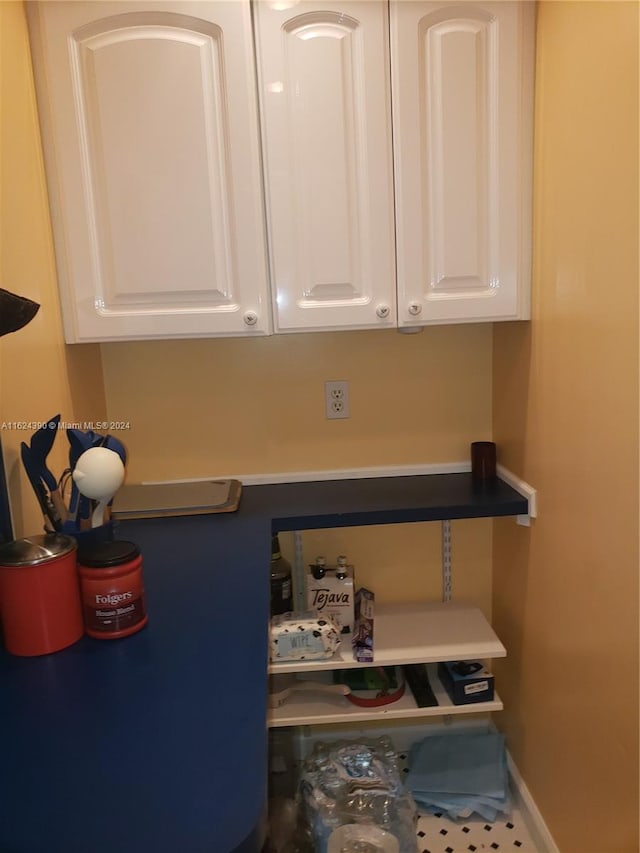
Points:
x=382, y=148
x=323, y=71
x=150, y=125
x=462, y=83
x=461, y=77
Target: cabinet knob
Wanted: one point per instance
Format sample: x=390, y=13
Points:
x=383, y=311
x=414, y=308
x=250, y=318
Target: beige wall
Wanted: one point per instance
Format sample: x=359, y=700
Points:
x=225, y=407
x=215, y=407
x=39, y=376
x=566, y=419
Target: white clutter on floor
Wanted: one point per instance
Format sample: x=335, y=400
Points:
x=514, y=829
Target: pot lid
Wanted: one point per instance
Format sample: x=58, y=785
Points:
x=35, y=550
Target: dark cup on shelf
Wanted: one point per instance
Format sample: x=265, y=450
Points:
x=483, y=461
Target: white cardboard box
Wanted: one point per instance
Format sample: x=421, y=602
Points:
x=334, y=597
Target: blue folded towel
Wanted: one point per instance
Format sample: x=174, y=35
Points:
x=457, y=805
x=460, y=764
x=460, y=774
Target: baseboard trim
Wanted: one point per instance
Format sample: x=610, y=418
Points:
x=338, y=474
x=531, y=815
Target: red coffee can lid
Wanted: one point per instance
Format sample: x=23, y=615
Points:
x=103, y=555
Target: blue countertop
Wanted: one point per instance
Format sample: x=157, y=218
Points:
x=157, y=742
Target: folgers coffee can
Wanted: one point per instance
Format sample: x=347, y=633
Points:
x=112, y=589
x=39, y=595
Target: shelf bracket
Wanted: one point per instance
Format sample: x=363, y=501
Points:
x=299, y=590
x=527, y=491
x=446, y=561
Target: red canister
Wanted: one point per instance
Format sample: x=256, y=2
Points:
x=39, y=595
x=112, y=589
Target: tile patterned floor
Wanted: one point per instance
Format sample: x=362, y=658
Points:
x=471, y=835
x=439, y=834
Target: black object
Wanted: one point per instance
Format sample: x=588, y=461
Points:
x=34, y=473
x=15, y=311
x=465, y=668
x=318, y=569
x=466, y=682
x=6, y=526
x=104, y=555
x=418, y=681
x=40, y=446
x=281, y=588
x=341, y=568
x=34, y=459
x=483, y=461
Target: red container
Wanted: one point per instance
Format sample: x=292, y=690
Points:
x=112, y=589
x=39, y=595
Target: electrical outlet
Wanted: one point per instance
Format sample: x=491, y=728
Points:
x=336, y=397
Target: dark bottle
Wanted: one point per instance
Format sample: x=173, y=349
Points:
x=319, y=570
x=281, y=592
x=341, y=568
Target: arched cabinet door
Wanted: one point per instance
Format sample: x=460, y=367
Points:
x=150, y=129
x=462, y=82
x=326, y=119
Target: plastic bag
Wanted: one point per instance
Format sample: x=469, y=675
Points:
x=356, y=783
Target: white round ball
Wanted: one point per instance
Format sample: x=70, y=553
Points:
x=99, y=473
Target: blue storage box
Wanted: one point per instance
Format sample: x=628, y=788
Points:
x=466, y=682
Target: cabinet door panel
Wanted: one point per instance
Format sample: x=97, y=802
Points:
x=462, y=89
x=324, y=90
x=153, y=151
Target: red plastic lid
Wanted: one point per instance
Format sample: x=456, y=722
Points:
x=375, y=698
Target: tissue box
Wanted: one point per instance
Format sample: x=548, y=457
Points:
x=302, y=636
x=466, y=682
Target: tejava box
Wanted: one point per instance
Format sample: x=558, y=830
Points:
x=333, y=596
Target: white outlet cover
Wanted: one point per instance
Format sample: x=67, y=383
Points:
x=336, y=394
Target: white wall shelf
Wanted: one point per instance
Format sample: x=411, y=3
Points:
x=416, y=632
x=312, y=709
